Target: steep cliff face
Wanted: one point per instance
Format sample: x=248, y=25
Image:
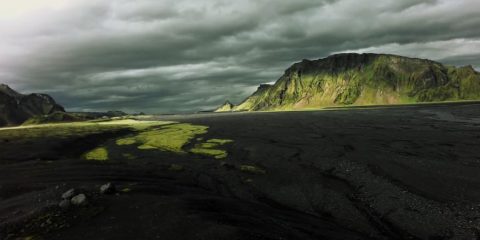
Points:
x=364, y=79
x=15, y=108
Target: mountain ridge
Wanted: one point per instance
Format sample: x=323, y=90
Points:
x=16, y=108
x=364, y=79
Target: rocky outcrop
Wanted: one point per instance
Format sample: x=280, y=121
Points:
x=16, y=108
x=226, y=107
x=364, y=79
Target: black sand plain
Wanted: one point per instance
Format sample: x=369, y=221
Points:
x=399, y=172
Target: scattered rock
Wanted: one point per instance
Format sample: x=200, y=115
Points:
x=79, y=200
x=108, y=188
x=64, y=204
x=68, y=194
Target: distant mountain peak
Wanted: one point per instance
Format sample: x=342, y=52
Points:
x=5, y=89
x=226, y=107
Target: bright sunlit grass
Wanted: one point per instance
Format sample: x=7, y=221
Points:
x=98, y=154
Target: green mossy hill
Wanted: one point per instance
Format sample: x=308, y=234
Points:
x=364, y=79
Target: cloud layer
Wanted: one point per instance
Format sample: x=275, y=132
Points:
x=188, y=55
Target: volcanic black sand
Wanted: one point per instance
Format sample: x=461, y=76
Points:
x=406, y=172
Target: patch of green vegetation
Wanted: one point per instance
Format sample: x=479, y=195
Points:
x=135, y=124
x=168, y=138
x=126, y=190
x=125, y=141
x=60, y=130
x=78, y=128
x=252, y=169
x=209, y=148
x=156, y=135
x=98, y=154
x=216, y=153
x=176, y=168
x=219, y=141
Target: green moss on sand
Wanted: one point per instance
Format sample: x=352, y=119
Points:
x=126, y=141
x=160, y=135
x=209, y=148
x=252, y=169
x=216, y=153
x=168, y=138
x=136, y=125
x=98, y=154
x=75, y=128
x=219, y=141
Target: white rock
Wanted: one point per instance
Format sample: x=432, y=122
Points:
x=108, y=188
x=79, y=200
x=68, y=194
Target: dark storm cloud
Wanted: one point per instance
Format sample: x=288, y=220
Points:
x=170, y=56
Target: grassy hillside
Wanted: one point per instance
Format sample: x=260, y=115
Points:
x=364, y=79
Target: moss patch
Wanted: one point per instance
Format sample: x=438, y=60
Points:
x=136, y=125
x=145, y=135
x=174, y=137
x=219, y=141
x=98, y=154
x=168, y=138
x=126, y=141
x=216, y=153
x=252, y=169
x=210, y=148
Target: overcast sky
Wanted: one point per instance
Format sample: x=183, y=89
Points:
x=162, y=56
